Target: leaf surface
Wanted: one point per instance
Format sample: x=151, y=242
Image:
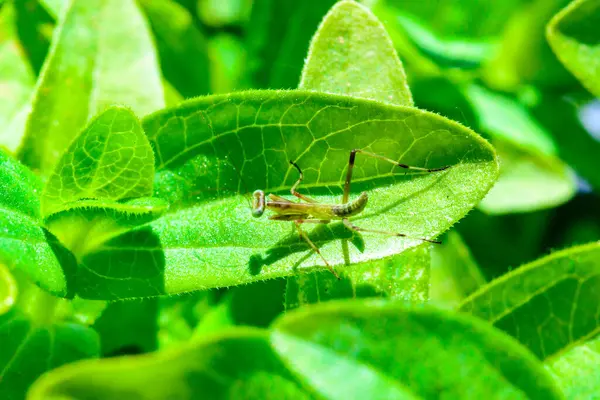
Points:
x=384, y=350
x=574, y=37
x=576, y=370
x=454, y=272
x=16, y=80
x=351, y=38
x=549, y=305
x=24, y=244
x=88, y=68
x=352, y=54
x=237, y=364
x=212, y=240
x=542, y=181
x=110, y=160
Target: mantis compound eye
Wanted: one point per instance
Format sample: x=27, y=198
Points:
x=258, y=203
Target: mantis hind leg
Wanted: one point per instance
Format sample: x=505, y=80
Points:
x=396, y=163
x=304, y=236
x=353, y=227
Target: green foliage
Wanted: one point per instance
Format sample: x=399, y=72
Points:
x=125, y=200
x=549, y=304
x=574, y=36
x=377, y=352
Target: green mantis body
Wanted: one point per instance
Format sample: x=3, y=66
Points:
x=311, y=211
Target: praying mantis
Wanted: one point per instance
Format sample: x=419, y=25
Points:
x=308, y=210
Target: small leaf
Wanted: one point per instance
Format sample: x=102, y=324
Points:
x=210, y=238
x=110, y=160
x=542, y=181
x=549, y=305
x=182, y=47
x=351, y=53
x=237, y=364
x=576, y=370
x=384, y=350
x=454, y=272
x=574, y=37
x=404, y=276
x=88, y=71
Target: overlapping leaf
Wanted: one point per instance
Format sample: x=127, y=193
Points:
x=24, y=244
x=549, y=305
x=574, y=37
x=375, y=346
x=90, y=67
x=386, y=351
x=209, y=149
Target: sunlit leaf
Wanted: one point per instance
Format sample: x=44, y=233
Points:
x=574, y=37
x=576, y=371
x=549, y=305
x=386, y=351
x=90, y=67
x=198, y=144
x=24, y=244
x=110, y=160
x=8, y=290
x=404, y=276
x=352, y=54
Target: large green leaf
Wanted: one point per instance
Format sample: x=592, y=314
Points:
x=366, y=64
x=237, y=364
x=574, y=37
x=89, y=67
x=549, y=305
x=387, y=351
x=16, y=79
x=214, y=241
